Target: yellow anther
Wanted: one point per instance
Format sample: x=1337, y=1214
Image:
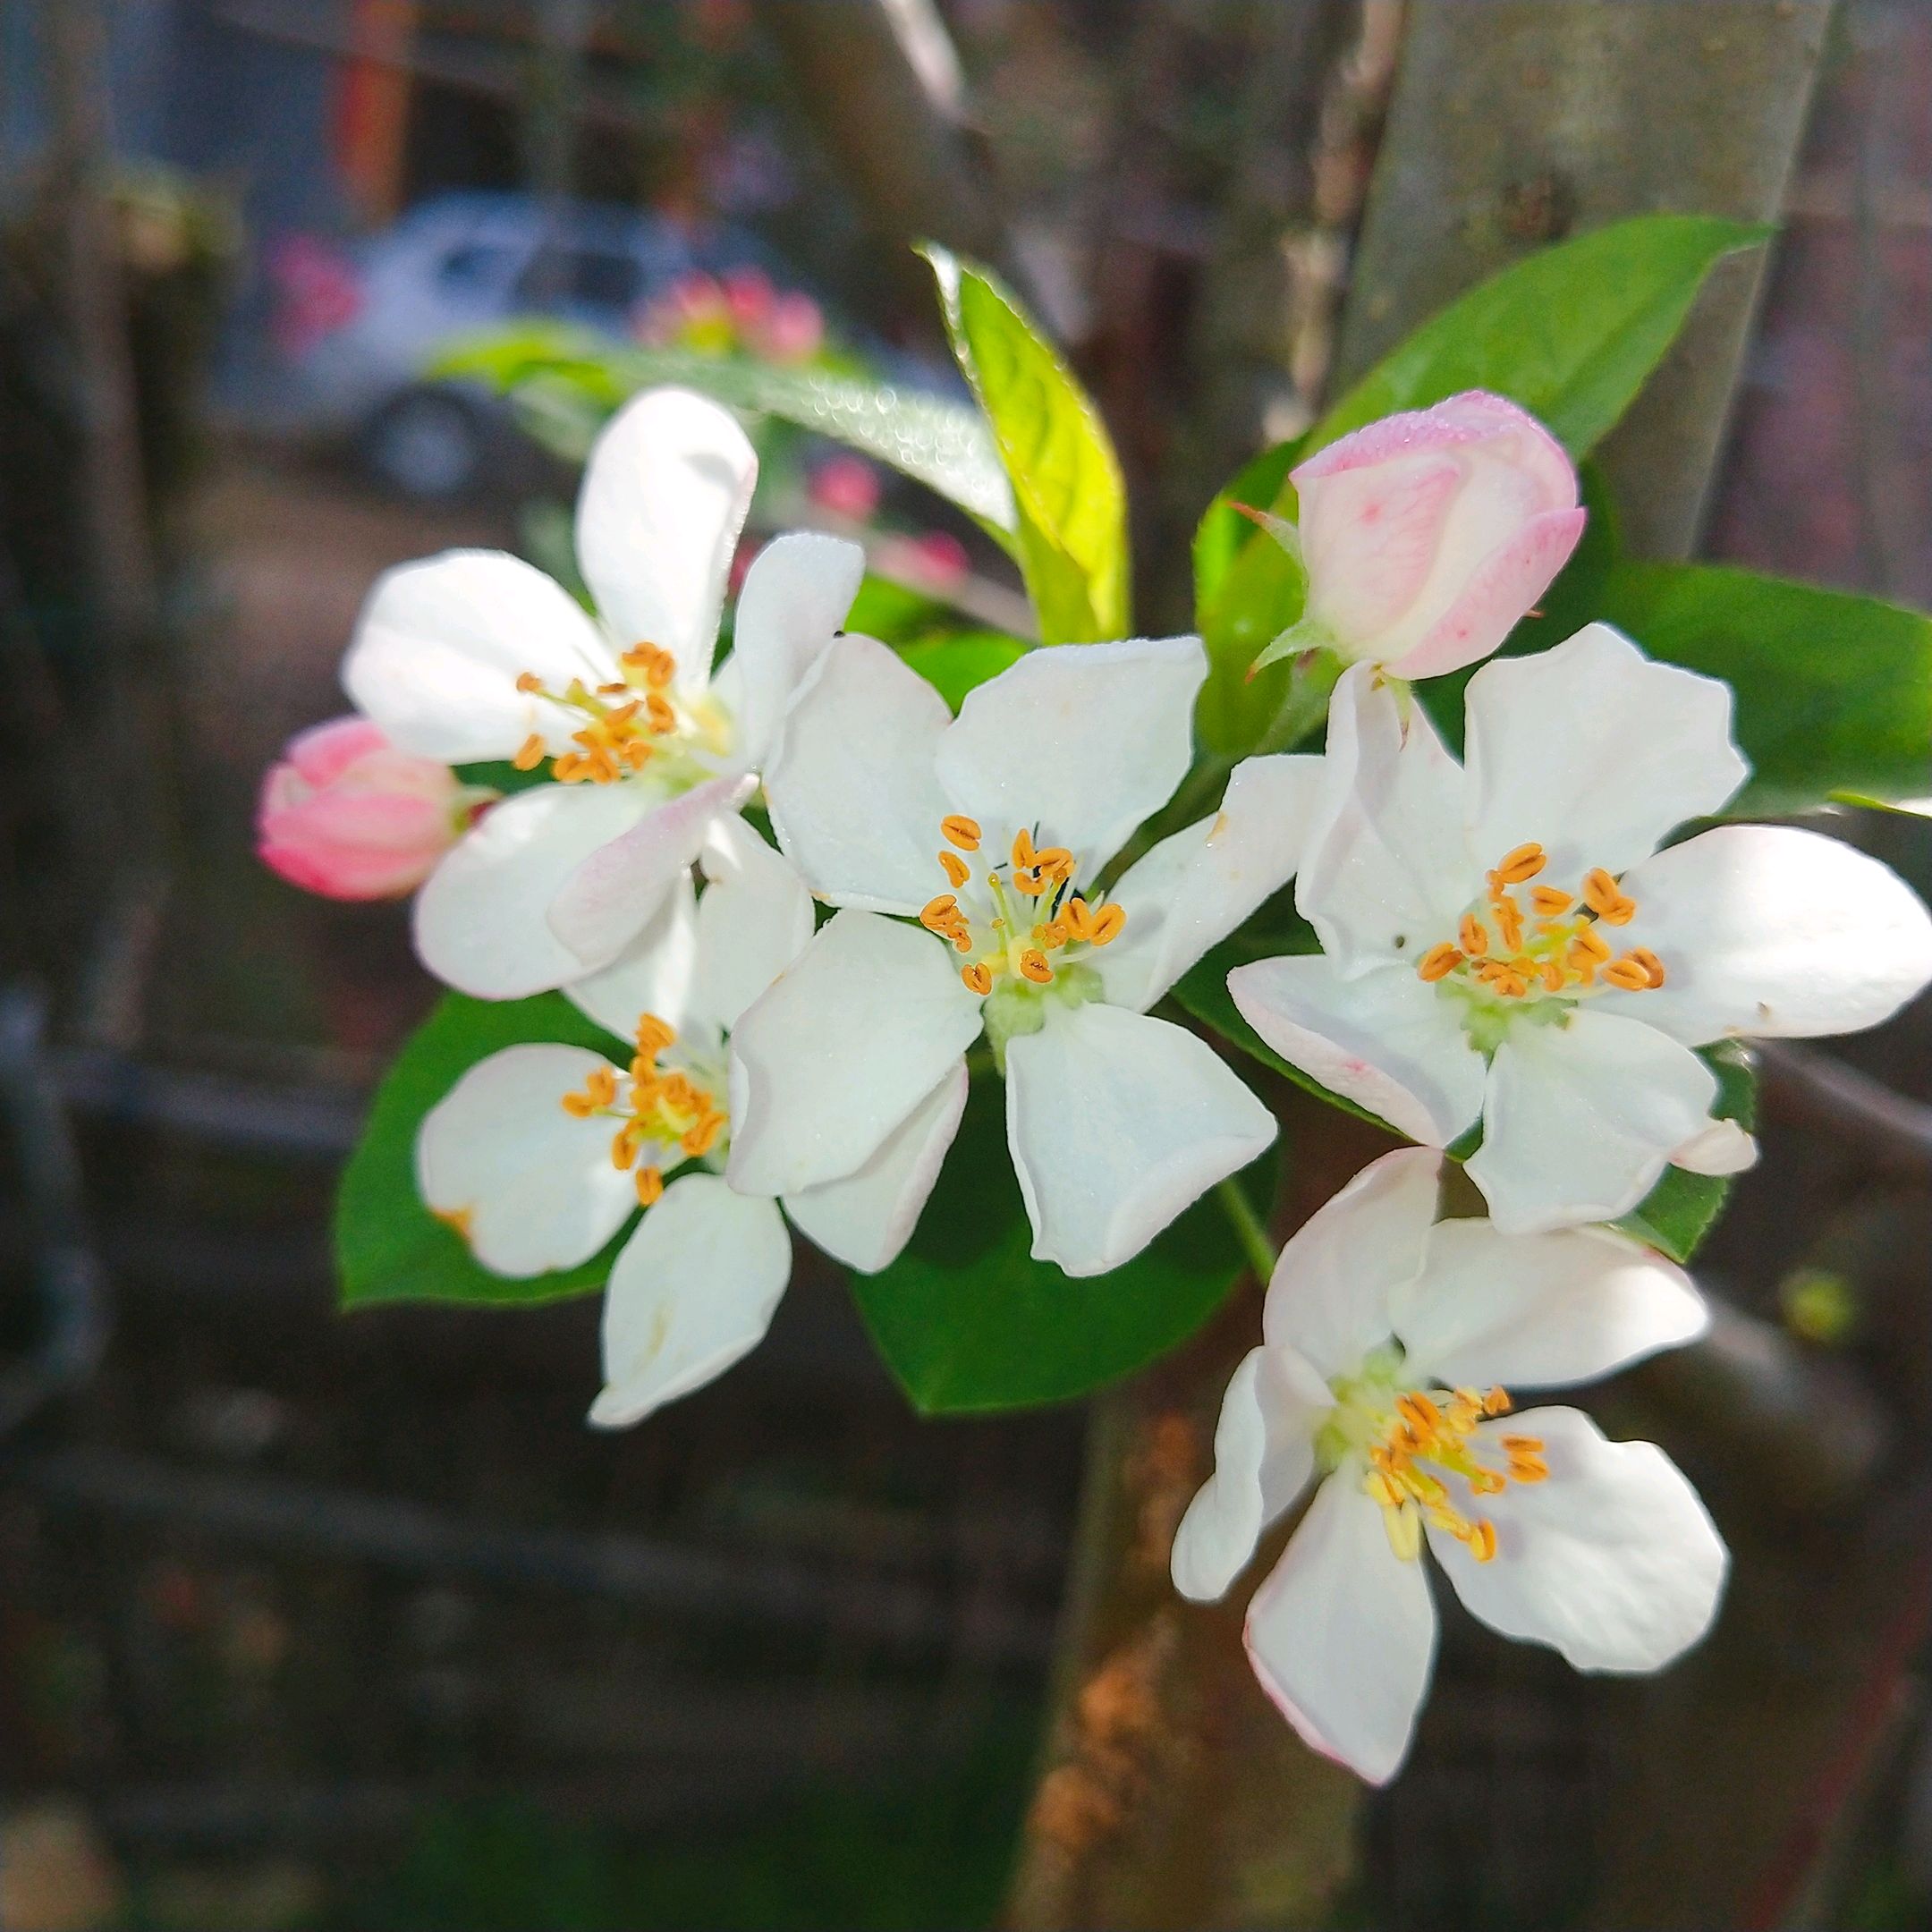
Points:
x=1473, y=935
x=654, y=1035
x=1404, y=1523
x=936, y=914
x=1439, y=962
x=1592, y=945
x=529, y=682
x=654, y=667
x=602, y=1086
x=1652, y=965
x=579, y=1107
x=956, y=869
x=1023, y=849
x=1522, y=864
x=1547, y=902
x=1078, y=919
x=1481, y=1541
x=1108, y=923
x=1509, y=922
x=957, y=829
x=979, y=976
x=1033, y=965
x=1629, y=973
x=1604, y=898
x=530, y=753
x=1555, y=979
x=1032, y=884
x=701, y=1136
x=1496, y=1401
x=649, y=1186
x=1056, y=862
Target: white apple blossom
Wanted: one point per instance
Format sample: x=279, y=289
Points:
x=991, y=830
x=475, y=655
x=1503, y=941
x=539, y=1154
x=1385, y=1338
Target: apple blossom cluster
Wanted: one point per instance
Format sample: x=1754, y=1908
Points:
x=1504, y=944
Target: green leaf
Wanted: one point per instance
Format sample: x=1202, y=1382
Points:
x=388, y=1246
x=1570, y=332
x=1833, y=690
x=1683, y=1207
x=1224, y=532
x=956, y=665
x=1066, y=480
x=943, y=445
x=968, y=1323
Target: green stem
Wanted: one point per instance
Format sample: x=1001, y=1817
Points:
x=1250, y=1229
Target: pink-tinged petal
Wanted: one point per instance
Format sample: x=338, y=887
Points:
x=1769, y=932
x=1385, y=1040
x=865, y=1219
x=616, y=890
x=1369, y=538
x=322, y=753
x=1342, y=1635
x=1497, y=596
x=1612, y=1560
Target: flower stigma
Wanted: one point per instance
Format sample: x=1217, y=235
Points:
x=1410, y=1442
x=668, y=1114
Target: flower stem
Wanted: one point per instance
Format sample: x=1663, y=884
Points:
x=1250, y=1229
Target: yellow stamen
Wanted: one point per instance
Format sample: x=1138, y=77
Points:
x=1509, y=922
x=649, y=1186
x=530, y=753
x=529, y=682
x=979, y=976
x=656, y=667
x=1023, y=849
x=1439, y=962
x=1522, y=864
x=1649, y=961
x=1628, y=973
x=956, y=869
x=654, y=1035
x=1547, y=902
x=1474, y=936
x=962, y=831
x=1107, y=924
x=1033, y=965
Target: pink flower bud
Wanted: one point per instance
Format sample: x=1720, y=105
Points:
x=847, y=485
x=1427, y=536
x=792, y=332
x=346, y=814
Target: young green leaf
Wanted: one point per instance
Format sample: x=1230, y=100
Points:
x=388, y=1246
x=968, y=1323
x=1066, y=480
x=942, y=444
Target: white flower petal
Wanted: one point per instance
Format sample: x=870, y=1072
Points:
x=531, y=1187
x=1193, y=889
x=1116, y=1123
x=1081, y=741
x=1332, y=1290
x=1581, y=1120
x=851, y=1039
x=1386, y=873
x=1540, y=1310
x=754, y=920
x=440, y=643
x=1385, y=1040
x=1773, y=933
x=1594, y=752
x=1722, y=1148
x=1613, y=1560
x=865, y=1219
x=664, y=497
x=615, y=891
x=794, y=599
x=654, y=974
x=693, y=1292
x=1264, y=1456
x=853, y=798
x=1342, y=1635
x=482, y=921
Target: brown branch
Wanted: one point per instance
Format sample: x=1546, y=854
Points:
x=1806, y=1088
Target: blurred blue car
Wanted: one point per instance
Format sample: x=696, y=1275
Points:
x=353, y=328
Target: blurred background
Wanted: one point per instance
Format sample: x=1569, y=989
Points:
x=311, y=1620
